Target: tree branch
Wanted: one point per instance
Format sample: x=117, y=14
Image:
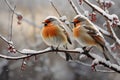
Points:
x=74, y=7
x=102, y=12
x=18, y=14
x=51, y=2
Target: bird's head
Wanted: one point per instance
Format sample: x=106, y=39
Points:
x=78, y=19
x=49, y=19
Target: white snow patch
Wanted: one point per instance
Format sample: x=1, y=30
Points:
x=28, y=51
x=96, y=61
x=82, y=56
x=79, y=50
x=63, y=18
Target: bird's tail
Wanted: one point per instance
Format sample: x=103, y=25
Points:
x=108, y=54
x=67, y=55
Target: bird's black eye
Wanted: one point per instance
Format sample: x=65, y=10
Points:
x=45, y=24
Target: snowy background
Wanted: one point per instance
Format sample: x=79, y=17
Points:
x=48, y=66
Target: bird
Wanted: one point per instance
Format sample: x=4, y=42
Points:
x=87, y=35
x=54, y=35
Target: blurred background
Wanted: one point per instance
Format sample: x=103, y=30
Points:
x=47, y=66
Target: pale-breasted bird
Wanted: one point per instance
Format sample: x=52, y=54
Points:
x=87, y=35
x=54, y=35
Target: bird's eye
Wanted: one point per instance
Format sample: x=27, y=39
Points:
x=45, y=24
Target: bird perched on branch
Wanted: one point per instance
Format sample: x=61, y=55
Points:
x=87, y=35
x=54, y=35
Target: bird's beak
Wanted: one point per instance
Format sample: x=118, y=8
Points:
x=43, y=22
x=72, y=22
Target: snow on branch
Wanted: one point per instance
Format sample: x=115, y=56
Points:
x=29, y=53
x=102, y=12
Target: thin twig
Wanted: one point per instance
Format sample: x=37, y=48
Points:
x=17, y=14
x=51, y=2
x=89, y=65
x=101, y=11
x=74, y=7
x=11, y=25
x=29, y=53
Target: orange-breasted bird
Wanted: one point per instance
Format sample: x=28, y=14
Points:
x=87, y=35
x=54, y=35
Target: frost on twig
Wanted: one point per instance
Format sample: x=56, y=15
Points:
x=28, y=53
x=102, y=12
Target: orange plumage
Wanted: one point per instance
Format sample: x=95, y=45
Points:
x=76, y=32
x=55, y=36
x=49, y=31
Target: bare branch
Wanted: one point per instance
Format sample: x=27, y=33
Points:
x=112, y=33
x=89, y=65
x=11, y=26
x=18, y=14
x=14, y=58
x=29, y=53
x=74, y=7
x=51, y=2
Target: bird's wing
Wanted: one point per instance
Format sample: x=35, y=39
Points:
x=68, y=38
x=66, y=33
x=95, y=35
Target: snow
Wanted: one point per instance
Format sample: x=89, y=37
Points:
x=96, y=61
x=81, y=57
x=86, y=13
x=79, y=50
x=108, y=63
x=51, y=17
x=28, y=51
x=31, y=52
x=63, y=18
x=101, y=11
x=67, y=22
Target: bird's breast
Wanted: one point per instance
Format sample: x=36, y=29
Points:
x=76, y=32
x=83, y=37
x=49, y=31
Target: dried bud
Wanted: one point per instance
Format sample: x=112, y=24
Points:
x=11, y=49
x=80, y=2
x=94, y=64
x=23, y=66
x=115, y=21
x=19, y=17
x=93, y=17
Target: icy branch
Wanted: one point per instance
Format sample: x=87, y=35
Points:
x=29, y=53
x=102, y=12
